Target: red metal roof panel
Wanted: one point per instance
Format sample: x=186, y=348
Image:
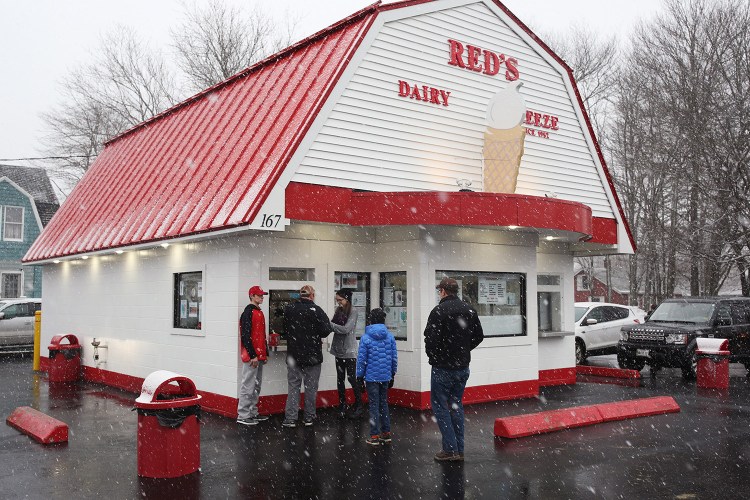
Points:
x=208, y=163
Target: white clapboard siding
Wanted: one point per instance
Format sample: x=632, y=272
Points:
x=372, y=139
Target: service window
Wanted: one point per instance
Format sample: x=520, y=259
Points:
x=291, y=274
x=188, y=300
x=498, y=298
x=277, y=301
x=359, y=283
x=549, y=307
x=393, y=300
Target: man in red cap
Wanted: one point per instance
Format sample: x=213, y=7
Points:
x=453, y=330
x=254, y=354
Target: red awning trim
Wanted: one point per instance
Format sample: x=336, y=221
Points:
x=315, y=203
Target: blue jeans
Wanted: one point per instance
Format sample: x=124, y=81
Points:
x=446, y=397
x=380, y=420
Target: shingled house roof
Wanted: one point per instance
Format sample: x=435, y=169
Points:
x=36, y=183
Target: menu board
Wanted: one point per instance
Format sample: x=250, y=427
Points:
x=492, y=290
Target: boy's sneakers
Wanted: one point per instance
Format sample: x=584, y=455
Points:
x=386, y=437
x=308, y=421
x=247, y=421
x=261, y=418
x=449, y=456
x=373, y=440
x=289, y=423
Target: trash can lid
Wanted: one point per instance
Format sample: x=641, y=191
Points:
x=178, y=390
x=72, y=342
x=711, y=346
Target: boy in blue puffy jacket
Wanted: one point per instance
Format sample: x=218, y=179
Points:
x=376, y=363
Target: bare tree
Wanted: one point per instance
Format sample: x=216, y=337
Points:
x=124, y=84
x=217, y=41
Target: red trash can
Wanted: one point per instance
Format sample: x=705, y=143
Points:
x=64, y=359
x=713, y=363
x=168, y=430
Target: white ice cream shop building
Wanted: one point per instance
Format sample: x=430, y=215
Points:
x=410, y=141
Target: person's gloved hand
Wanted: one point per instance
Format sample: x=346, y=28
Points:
x=390, y=384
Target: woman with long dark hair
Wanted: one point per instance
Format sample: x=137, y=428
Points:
x=344, y=348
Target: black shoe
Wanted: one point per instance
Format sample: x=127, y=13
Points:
x=308, y=421
x=289, y=423
x=342, y=409
x=247, y=421
x=261, y=418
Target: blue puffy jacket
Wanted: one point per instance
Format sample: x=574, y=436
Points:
x=377, y=359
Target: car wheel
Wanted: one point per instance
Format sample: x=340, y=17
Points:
x=690, y=368
x=627, y=363
x=580, y=352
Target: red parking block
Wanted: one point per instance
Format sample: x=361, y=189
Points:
x=546, y=421
x=634, y=408
x=40, y=427
x=603, y=371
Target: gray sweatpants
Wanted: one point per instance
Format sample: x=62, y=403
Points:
x=295, y=376
x=247, y=406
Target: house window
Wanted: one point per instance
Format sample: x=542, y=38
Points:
x=583, y=282
x=188, y=300
x=549, y=302
x=393, y=301
x=359, y=283
x=10, y=285
x=498, y=298
x=13, y=223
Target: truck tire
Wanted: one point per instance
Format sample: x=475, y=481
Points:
x=689, y=368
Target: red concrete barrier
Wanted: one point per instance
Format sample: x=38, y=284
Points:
x=546, y=421
x=569, y=418
x=603, y=371
x=40, y=427
x=634, y=408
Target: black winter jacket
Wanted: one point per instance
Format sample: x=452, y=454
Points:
x=304, y=325
x=453, y=330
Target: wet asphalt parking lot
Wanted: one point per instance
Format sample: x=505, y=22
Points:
x=701, y=452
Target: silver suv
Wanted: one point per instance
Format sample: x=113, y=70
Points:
x=17, y=324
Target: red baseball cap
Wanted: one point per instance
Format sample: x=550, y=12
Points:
x=256, y=290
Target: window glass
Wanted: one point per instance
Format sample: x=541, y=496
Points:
x=549, y=303
x=291, y=274
x=359, y=283
x=722, y=313
x=11, y=285
x=11, y=311
x=738, y=313
x=13, y=224
x=188, y=300
x=596, y=313
x=498, y=298
x=393, y=300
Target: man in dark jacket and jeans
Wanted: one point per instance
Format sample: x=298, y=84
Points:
x=453, y=330
x=305, y=325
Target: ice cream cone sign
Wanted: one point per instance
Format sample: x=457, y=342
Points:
x=503, y=140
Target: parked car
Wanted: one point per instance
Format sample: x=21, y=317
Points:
x=668, y=338
x=598, y=327
x=17, y=324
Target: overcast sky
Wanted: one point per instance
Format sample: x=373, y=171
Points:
x=42, y=40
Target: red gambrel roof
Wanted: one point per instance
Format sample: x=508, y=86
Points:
x=208, y=163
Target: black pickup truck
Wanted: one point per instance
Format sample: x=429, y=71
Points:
x=668, y=337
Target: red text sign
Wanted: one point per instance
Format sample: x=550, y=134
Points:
x=541, y=120
x=423, y=93
x=480, y=60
